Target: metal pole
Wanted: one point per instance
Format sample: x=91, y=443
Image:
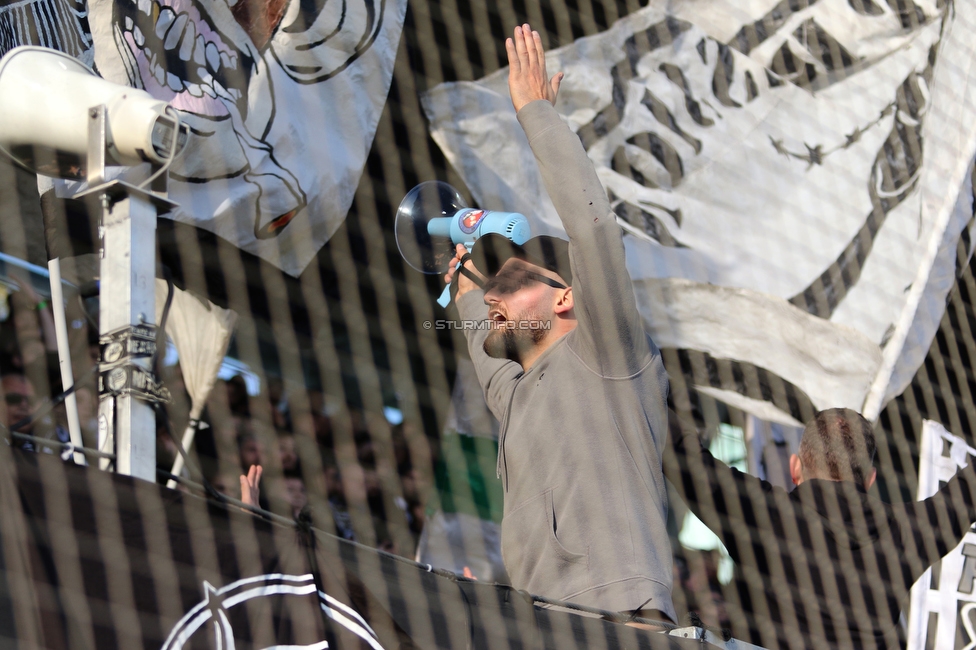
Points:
x=127, y=297
x=178, y=464
x=64, y=356
x=127, y=387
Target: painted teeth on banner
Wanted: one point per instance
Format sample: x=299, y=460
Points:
x=282, y=104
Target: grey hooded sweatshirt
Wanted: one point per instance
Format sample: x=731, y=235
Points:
x=582, y=431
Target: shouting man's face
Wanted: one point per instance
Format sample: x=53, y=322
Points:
x=520, y=307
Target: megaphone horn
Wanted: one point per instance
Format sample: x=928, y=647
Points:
x=433, y=219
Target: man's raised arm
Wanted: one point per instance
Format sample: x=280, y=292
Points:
x=610, y=338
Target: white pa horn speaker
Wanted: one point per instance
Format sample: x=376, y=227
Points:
x=45, y=100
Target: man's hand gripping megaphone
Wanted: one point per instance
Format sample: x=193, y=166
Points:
x=468, y=277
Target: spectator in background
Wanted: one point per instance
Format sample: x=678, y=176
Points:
x=19, y=400
x=337, y=500
x=280, y=412
x=410, y=482
x=227, y=483
x=59, y=423
x=227, y=428
x=17, y=405
x=366, y=455
x=827, y=565
x=287, y=454
x=375, y=473
x=698, y=573
x=320, y=421
x=34, y=323
x=295, y=493
x=237, y=399
x=250, y=448
x=401, y=450
x=411, y=503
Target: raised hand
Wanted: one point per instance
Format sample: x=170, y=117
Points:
x=527, y=76
x=249, y=485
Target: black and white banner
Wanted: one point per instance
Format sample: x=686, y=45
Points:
x=943, y=608
x=98, y=561
x=282, y=99
x=793, y=178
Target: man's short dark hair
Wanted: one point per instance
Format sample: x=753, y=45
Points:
x=491, y=251
x=838, y=444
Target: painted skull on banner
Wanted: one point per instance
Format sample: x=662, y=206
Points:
x=282, y=99
x=205, y=58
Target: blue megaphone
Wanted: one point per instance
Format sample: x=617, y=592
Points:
x=433, y=219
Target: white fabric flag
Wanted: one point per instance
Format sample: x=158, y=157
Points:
x=282, y=99
x=951, y=597
x=792, y=182
x=201, y=332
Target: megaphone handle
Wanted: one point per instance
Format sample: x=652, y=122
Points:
x=445, y=298
x=451, y=289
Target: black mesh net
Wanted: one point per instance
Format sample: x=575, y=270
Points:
x=794, y=189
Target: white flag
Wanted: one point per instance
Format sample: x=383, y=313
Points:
x=282, y=99
x=793, y=183
x=949, y=600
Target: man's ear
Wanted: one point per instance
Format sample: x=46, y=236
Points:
x=564, y=302
x=872, y=477
x=796, y=469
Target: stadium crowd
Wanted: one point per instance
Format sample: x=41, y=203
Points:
x=367, y=489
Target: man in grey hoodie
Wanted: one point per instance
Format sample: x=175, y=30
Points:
x=577, y=384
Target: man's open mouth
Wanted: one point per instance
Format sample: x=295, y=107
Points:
x=497, y=317
x=182, y=56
